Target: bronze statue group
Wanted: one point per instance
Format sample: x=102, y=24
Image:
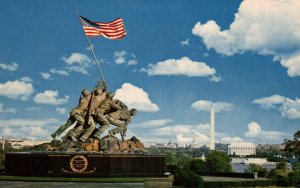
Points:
x=97, y=107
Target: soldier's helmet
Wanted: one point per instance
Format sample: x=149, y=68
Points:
x=98, y=91
x=85, y=92
x=133, y=112
x=110, y=95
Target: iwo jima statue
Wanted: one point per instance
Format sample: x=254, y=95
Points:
x=97, y=107
x=84, y=151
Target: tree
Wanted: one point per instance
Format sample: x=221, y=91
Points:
x=292, y=147
x=196, y=165
x=218, y=161
x=188, y=179
x=261, y=172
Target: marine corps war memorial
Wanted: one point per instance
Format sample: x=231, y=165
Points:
x=84, y=151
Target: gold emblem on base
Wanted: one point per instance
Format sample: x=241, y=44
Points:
x=79, y=164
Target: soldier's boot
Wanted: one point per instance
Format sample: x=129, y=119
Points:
x=97, y=136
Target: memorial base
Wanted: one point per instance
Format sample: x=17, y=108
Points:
x=83, y=164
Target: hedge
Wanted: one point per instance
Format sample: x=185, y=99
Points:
x=226, y=174
x=239, y=184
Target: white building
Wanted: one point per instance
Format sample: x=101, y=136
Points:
x=242, y=149
x=20, y=143
x=212, y=130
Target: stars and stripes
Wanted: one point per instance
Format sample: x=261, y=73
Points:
x=112, y=30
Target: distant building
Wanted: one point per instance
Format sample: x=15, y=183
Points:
x=242, y=164
x=212, y=130
x=241, y=149
x=20, y=143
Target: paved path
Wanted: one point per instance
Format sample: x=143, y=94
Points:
x=20, y=184
x=214, y=178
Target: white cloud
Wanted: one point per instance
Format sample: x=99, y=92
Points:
x=27, y=122
x=16, y=89
x=135, y=97
x=28, y=128
x=120, y=57
x=26, y=132
x=257, y=134
x=254, y=130
x=61, y=110
x=203, y=105
x=155, y=123
x=228, y=140
x=27, y=79
x=77, y=58
x=288, y=108
x=132, y=62
x=185, y=42
x=269, y=102
x=6, y=110
x=59, y=72
x=77, y=62
x=274, y=32
x=10, y=67
x=184, y=134
x=46, y=75
x=183, y=66
x=50, y=97
x=215, y=78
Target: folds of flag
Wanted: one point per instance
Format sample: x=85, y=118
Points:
x=112, y=30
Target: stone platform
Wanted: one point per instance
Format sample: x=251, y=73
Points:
x=84, y=164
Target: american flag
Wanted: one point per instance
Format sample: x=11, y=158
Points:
x=112, y=30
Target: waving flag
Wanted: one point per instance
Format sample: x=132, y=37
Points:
x=112, y=30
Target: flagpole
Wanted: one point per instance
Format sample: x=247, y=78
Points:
x=92, y=50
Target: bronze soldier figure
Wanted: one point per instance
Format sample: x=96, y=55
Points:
x=77, y=113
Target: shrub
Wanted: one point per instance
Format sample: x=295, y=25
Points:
x=188, y=179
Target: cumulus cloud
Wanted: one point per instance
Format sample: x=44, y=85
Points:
x=155, y=123
x=185, y=42
x=185, y=134
x=183, y=66
x=27, y=128
x=27, y=122
x=287, y=107
x=215, y=78
x=26, y=132
x=17, y=89
x=228, y=140
x=46, y=75
x=135, y=97
x=61, y=110
x=10, y=67
x=274, y=32
x=50, y=97
x=203, y=105
x=257, y=133
x=120, y=57
x=59, y=72
x=269, y=102
x=27, y=79
x=77, y=62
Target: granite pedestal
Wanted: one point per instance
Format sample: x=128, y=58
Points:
x=83, y=164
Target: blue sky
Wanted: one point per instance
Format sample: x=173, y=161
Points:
x=178, y=61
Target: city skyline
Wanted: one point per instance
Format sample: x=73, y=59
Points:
x=178, y=60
